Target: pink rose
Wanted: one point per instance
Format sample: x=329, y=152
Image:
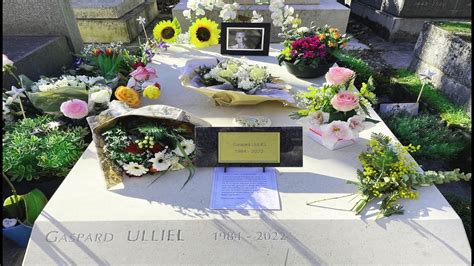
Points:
x=75, y=109
x=143, y=73
x=345, y=101
x=338, y=75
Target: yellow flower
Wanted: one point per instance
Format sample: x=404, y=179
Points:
x=128, y=96
x=152, y=91
x=167, y=31
x=287, y=53
x=204, y=32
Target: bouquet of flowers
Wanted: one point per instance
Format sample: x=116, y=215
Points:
x=51, y=95
x=337, y=110
x=151, y=140
x=240, y=75
x=233, y=81
x=389, y=173
x=311, y=46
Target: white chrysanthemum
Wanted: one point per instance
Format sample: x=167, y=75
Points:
x=246, y=84
x=135, y=169
x=188, y=147
x=100, y=96
x=62, y=82
x=47, y=87
x=161, y=161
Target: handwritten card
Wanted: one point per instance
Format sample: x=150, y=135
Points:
x=245, y=188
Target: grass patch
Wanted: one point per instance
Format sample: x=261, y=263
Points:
x=437, y=141
x=461, y=27
x=463, y=209
x=449, y=112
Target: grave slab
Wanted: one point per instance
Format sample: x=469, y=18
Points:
x=112, y=29
x=423, y=8
x=322, y=13
x=389, y=26
x=87, y=9
x=133, y=223
x=32, y=56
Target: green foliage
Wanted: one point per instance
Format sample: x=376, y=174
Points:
x=449, y=112
x=390, y=174
x=455, y=26
x=32, y=149
x=437, y=141
x=362, y=69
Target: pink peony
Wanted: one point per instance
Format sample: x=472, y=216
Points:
x=75, y=109
x=143, y=73
x=345, y=101
x=338, y=75
x=336, y=130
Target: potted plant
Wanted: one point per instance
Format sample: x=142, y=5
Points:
x=20, y=212
x=308, y=52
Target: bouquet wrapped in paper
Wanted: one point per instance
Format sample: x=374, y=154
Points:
x=234, y=82
x=150, y=140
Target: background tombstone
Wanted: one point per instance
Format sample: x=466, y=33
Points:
x=320, y=11
x=39, y=36
x=107, y=21
x=449, y=55
x=402, y=20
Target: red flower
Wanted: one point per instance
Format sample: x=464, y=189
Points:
x=133, y=148
x=138, y=64
x=109, y=51
x=97, y=51
x=156, y=148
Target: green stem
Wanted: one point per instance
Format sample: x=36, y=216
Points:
x=15, y=195
x=331, y=198
x=421, y=90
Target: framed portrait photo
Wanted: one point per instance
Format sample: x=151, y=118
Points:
x=245, y=38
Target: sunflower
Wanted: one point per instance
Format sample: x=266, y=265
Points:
x=204, y=32
x=167, y=31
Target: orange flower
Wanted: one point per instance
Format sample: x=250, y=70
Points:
x=332, y=44
x=109, y=51
x=335, y=34
x=344, y=44
x=322, y=37
x=332, y=29
x=128, y=96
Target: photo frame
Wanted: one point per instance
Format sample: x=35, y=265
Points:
x=245, y=38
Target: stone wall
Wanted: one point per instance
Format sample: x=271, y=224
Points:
x=41, y=18
x=449, y=55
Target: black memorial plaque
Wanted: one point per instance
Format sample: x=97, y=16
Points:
x=290, y=146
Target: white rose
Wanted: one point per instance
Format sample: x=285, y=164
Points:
x=187, y=13
x=303, y=30
x=101, y=96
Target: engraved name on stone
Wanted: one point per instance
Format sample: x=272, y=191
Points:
x=56, y=236
x=155, y=235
